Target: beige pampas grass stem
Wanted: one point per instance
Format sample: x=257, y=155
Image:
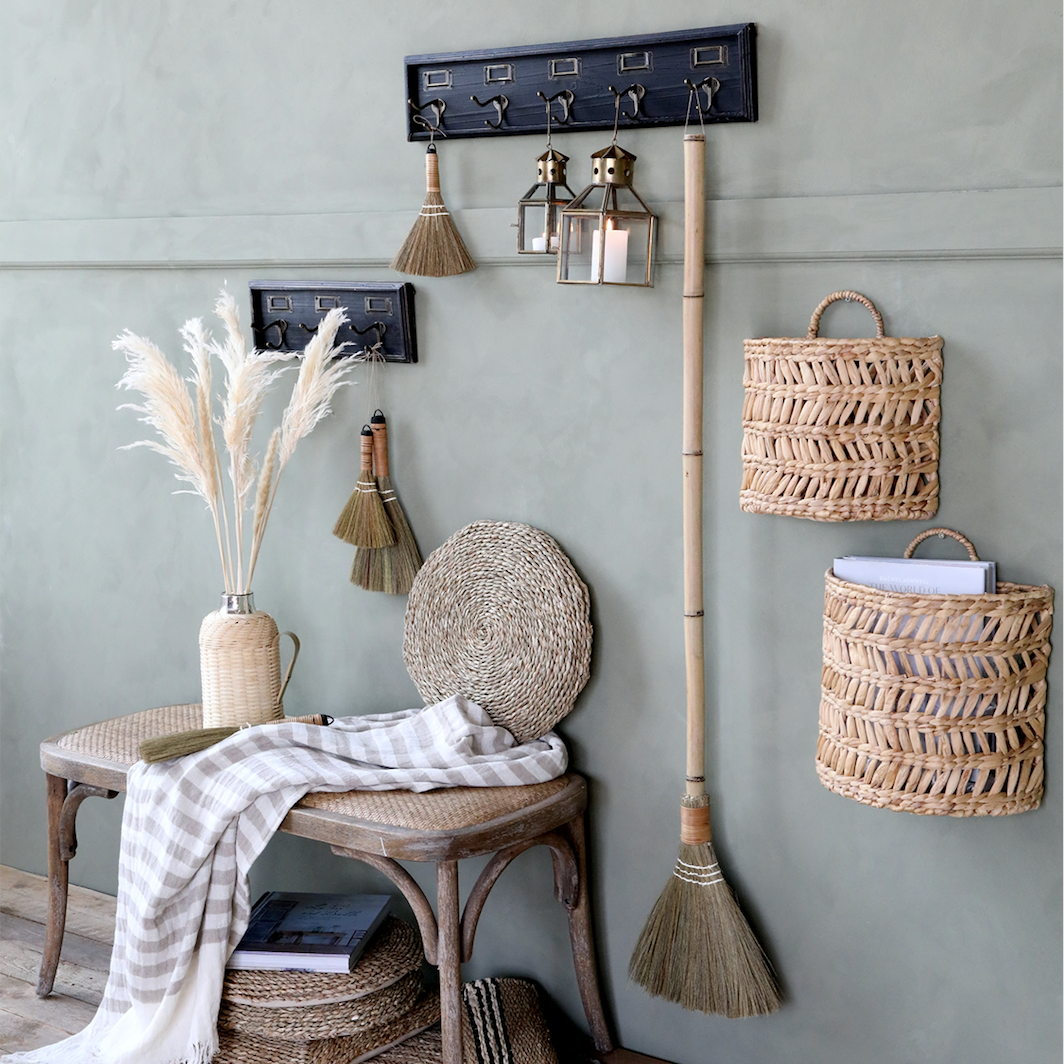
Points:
x=433, y=247
x=697, y=948
x=185, y=424
x=321, y=373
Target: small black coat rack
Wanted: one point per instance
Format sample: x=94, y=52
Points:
x=496, y=92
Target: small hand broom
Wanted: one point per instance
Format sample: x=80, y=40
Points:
x=392, y=569
x=388, y=569
x=696, y=947
x=363, y=521
x=434, y=247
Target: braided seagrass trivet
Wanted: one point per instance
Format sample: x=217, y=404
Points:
x=235, y=1047
x=498, y=614
x=394, y=953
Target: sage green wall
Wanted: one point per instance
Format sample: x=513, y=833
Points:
x=153, y=152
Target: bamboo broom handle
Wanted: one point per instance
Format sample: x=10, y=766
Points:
x=432, y=170
x=379, y=428
x=694, y=156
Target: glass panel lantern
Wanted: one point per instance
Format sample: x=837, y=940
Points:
x=539, y=212
x=607, y=231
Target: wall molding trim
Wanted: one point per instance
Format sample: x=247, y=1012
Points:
x=996, y=224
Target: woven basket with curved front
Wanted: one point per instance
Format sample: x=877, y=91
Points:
x=935, y=704
x=498, y=614
x=842, y=430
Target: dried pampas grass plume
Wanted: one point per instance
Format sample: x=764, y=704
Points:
x=185, y=422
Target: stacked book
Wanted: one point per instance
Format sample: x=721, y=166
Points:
x=309, y=932
x=319, y=979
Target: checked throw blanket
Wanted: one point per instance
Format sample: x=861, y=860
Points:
x=192, y=827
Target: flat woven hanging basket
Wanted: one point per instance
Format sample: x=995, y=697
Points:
x=498, y=614
x=842, y=430
x=935, y=703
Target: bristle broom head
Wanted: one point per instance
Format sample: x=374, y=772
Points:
x=363, y=522
x=177, y=744
x=406, y=559
x=433, y=247
x=360, y=568
x=697, y=948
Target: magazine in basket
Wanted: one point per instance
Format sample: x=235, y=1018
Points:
x=309, y=932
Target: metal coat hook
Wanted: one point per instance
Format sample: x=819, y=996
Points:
x=437, y=106
x=500, y=103
x=711, y=87
x=566, y=98
x=376, y=326
x=282, y=328
x=635, y=93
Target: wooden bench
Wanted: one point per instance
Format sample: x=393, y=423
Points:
x=377, y=828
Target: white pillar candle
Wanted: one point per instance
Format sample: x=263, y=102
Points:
x=615, y=259
x=539, y=243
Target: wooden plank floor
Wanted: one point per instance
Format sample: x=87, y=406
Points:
x=27, y=1021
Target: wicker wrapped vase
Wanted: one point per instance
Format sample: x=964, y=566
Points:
x=842, y=430
x=935, y=703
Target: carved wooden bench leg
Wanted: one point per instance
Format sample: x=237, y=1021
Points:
x=582, y=940
x=449, y=960
x=57, y=888
x=64, y=800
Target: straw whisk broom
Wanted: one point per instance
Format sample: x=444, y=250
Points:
x=389, y=569
x=363, y=522
x=433, y=247
x=697, y=948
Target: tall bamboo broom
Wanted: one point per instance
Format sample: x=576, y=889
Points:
x=696, y=947
x=433, y=247
x=363, y=521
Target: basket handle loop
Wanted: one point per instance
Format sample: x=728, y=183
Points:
x=291, y=665
x=814, y=321
x=942, y=533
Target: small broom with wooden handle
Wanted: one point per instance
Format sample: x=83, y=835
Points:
x=433, y=247
x=697, y=948
x=388, y=569
x=178, y=744
x=363, y=522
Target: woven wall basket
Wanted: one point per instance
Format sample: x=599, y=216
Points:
x=935, y=704
x=842, y=430
x=498, y=614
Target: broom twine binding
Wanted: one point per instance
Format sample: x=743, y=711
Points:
x=698, y=875
x=694, y=820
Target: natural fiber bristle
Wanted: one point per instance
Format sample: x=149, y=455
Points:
x=697, y=948
x=433, y=247
x=363, y=522
x=405, y=559
x=177, y=744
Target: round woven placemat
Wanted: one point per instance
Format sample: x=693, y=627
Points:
x=237, y=1048
x=498, y=614
x=395, y=952
x=337, y=1019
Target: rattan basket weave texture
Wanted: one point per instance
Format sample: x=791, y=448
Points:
x=842, y=430
x=240, y=669
x=267, y=1017
x=935, y=704
x=498, y=614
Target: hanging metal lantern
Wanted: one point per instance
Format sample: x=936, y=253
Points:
x=539, y=211
x=607, y=231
